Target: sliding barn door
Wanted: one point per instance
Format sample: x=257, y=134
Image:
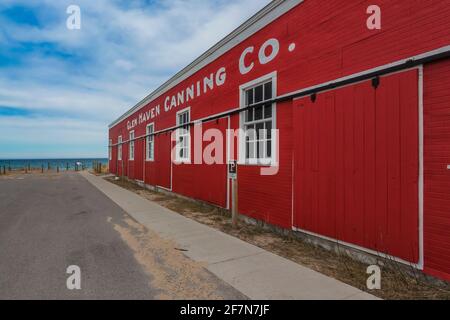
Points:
x=356, y=165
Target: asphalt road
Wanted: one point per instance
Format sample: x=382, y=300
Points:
x=50, y=222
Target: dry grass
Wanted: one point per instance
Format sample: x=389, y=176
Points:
x=396, y=282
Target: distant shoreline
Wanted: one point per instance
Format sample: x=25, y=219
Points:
x=52, y=159
x=47, y=164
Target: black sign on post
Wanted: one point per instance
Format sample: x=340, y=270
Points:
x=232, y=169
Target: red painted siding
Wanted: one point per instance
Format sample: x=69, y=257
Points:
x=162, y=167
x=437, y=177
x=332, y=41
x=204, y=182
x=269, y=198
x=357, y=163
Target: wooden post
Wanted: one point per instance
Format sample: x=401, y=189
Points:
x=48, y=165
x=67, y=166
x=42, y=169
x=57, y=169
x=234, y=199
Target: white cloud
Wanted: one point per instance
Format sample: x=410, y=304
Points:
x=124, y=50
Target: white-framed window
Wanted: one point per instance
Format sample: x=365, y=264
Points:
x=119, y=148
x=258, y=122
x=110, y=149
x=131, y=146
x=183, y=146
x=150, y=142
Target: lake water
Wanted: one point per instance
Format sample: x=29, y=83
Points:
x=61, y=163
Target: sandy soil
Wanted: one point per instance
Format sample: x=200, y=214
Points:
x=171, y=272
x=396, y=282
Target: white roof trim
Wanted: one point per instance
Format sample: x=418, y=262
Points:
x=261, y=19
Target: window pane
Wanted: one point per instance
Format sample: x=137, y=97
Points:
x=260, y=131
x=269, y=130
x=258, y=94
x=269, y=148
x=247, y=150
x=268, y=111
x=268, y=91
x=249, y=115
x=250, y=131
x=183, y=118
x=258, y=113
x=249, y=99
x=251, y=153
x=261, y=149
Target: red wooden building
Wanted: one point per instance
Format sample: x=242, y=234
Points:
x=360, y=96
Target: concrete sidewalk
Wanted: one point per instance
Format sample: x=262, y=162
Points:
x=253, y=271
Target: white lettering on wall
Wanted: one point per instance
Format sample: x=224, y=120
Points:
x=275, y=47
x=263, y=56
x=209, y=83
x=242, y=66
x=221, y=77
x=267, y=53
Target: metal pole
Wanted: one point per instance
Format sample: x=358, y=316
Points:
x=234, y=199
x=122, y=169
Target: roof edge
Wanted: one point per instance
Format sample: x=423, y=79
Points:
x=258, y=21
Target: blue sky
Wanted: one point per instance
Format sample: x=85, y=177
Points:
x=60, y=88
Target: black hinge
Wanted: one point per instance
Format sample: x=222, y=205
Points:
x=376, y=82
